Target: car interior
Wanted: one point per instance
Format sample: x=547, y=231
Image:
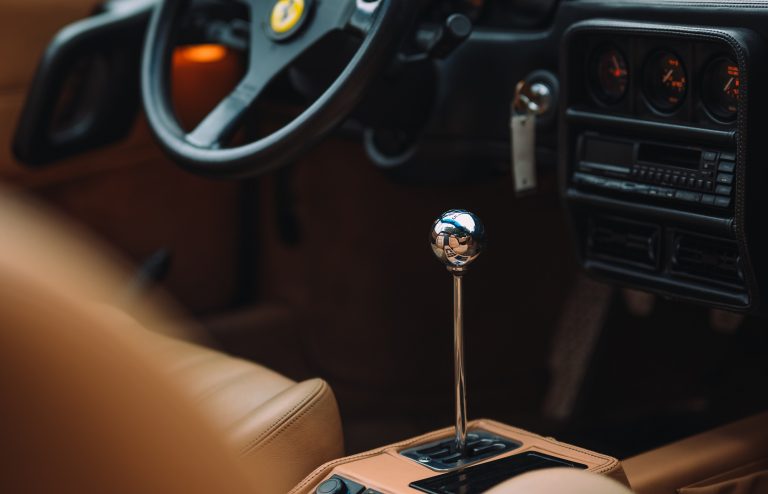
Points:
x=383, y=246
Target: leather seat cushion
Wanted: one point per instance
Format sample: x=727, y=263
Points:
x=263, y=414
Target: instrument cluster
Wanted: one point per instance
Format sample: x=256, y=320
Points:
x=689, y=82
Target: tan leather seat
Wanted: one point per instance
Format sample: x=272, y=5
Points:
x=728, y=454
x=94, y=402
x=282, y=429
x=560, y=481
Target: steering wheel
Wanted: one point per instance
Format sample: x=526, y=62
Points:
x=280, y=32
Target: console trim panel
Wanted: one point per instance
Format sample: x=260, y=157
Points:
x=440, y=456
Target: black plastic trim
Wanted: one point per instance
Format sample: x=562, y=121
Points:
x=716, y=137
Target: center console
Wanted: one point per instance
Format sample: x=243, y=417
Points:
x=390, y=469
x=661, y=166
x=473, y=457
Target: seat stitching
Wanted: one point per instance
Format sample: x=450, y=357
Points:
x=255, y=442
x=315, y=401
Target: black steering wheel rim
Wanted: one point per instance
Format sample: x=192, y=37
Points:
x=334, y=105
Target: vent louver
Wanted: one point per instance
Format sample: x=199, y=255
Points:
x=623, y=241
x=706, y=258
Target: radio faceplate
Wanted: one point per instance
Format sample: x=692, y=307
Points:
x=687, y=175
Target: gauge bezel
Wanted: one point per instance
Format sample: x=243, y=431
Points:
x=650, y=101
x=706, y=76
x=593, y=82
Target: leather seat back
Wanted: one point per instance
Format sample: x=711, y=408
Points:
x=84, y=407
x=86, y=411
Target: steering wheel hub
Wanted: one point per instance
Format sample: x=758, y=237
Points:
x=288, y=17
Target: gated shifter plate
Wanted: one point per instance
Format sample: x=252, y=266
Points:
x=442, y=456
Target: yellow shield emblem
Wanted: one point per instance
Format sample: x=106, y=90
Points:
x=286, y=14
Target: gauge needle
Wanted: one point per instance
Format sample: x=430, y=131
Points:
x=617, y=70
x=668, y=76
x=728, y=85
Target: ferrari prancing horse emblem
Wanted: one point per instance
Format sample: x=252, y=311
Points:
x=287, y=17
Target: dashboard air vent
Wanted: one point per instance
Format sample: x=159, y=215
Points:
x=622, y=241
x=708, y=259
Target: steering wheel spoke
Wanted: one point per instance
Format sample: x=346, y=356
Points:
x=225, y=118
x=268, y=57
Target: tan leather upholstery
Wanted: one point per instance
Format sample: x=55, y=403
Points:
x=94, y=402
x=700, y=457
x=384, y=469
x=282, y=429
x=560, y=481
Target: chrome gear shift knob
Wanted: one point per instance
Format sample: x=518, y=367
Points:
x=457, y=239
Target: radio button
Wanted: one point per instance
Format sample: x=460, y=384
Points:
x=722, y=202
x=727, y=166
x=636, y=188
x=725, y=178
x=684, y=195
x=724, y=190
x=708, y=199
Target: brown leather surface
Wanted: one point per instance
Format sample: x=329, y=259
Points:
x=386, y=470
x=560, y=481
x=680, y=464
x=282, y=429
x=749, y=479
x=26, y=28
x=87, y=388
x=85, y=411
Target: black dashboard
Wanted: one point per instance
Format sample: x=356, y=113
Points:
x=651, y=155
x=655, y=131
x=657, y=142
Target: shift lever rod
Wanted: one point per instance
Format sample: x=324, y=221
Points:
x=457, y=239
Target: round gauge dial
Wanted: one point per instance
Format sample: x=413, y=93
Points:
x=609, y=75
x=721, y=88
x=665, y=81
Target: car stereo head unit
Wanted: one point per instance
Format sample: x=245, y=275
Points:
x=677, y=173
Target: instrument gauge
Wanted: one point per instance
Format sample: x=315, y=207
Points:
x=609, y=75
x=665, y=81
x=721, y=88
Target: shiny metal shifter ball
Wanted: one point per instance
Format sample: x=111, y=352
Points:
x=457, y=238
